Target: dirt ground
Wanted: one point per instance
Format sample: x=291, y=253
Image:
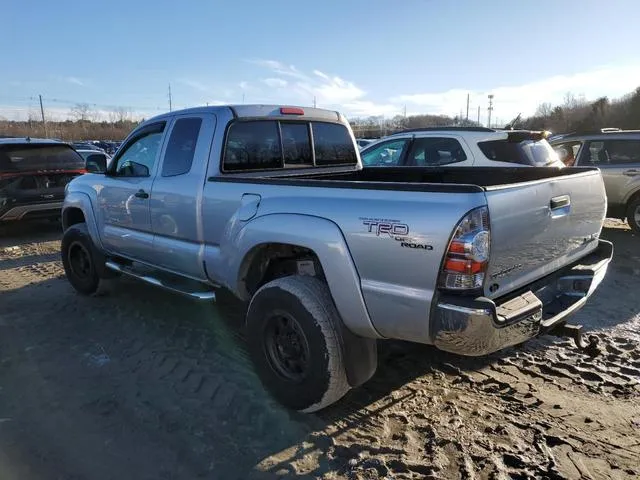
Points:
x=143, y=384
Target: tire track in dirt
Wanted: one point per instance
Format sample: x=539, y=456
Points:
x=177, y=372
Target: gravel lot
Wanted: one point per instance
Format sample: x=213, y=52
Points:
x=142, y=384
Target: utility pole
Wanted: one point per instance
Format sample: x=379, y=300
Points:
x=243, y=98
x=44, y=123
x=169, y=97
x=405, y=110
x=478, y=115
x=467, y=107
x=314, y=102
x=490, y=109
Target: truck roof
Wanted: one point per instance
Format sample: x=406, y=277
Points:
x=260, y=111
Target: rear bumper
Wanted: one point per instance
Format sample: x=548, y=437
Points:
x=34, y=210
x=481, y=326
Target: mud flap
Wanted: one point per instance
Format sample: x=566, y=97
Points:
x=360, y=356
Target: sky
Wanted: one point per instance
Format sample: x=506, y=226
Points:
x=364, y=58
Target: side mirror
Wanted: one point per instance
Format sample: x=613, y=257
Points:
x=96, y=163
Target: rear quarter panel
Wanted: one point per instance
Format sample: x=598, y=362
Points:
x=397, y=282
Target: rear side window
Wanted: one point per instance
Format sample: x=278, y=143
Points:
x=252, y=146
x=623, y=151
x=528, y=152
x=433, y=151
x=181, y=147
x=333, y=144
x=270, y=144
x=34, y=157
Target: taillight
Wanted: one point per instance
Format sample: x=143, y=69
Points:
x=467, y=257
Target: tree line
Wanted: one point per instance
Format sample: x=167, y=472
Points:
x=574, y=114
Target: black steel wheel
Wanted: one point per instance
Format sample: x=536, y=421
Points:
x=78, y=259
x=286, y=346
x=294, y=341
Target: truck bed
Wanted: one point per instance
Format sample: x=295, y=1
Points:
x=452, y=179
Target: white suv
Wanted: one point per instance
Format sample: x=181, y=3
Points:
x=461, y=146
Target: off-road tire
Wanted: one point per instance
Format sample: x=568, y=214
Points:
x=308, y=301
x=77, y=237
x=631, y=220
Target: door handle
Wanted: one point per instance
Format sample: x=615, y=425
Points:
x=560, y=206
x=559, y=202
x=631, y=173
x=141, y=194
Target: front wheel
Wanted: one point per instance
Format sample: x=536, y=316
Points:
x=633, y=215
x=293, y=339
x=79, y=259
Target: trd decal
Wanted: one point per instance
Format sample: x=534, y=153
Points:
x=386, y=228
x=394, y=229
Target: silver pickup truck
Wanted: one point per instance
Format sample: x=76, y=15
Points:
x=272, y=203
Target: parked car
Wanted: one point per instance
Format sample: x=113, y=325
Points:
x=363, y=142
x=86, y=146
x=33, y=176
x=95, y=161
x=617, y=154
x=273, y=204
x=461, y=147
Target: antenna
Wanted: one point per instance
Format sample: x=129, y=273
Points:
x=511, y=125
x=169, y=97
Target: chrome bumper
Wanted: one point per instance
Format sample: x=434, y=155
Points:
x=17, y=213
x=481, y=326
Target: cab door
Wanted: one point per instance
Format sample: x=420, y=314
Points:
x=124, y=218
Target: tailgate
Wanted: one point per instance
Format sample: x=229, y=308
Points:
x=539, y=227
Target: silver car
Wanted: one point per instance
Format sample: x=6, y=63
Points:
x=617, y=154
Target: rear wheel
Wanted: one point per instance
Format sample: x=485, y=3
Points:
x=633, y=215
x=294, y=343
x=79, y=259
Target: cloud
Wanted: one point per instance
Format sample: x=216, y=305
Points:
x=195, y=84
x=75, y=81
x=280, y=68
x=275, y=82
x=244, y=85
x=509, y=100
x=328, y=91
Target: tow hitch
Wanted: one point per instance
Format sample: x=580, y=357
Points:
x=588, y=346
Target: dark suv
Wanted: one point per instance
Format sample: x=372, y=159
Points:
x=617, y=153
x=33, y=176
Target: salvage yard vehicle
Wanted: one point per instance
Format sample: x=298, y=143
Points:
x=273, y=204
x=461, y=147
x=33, y=176
x=617, y=154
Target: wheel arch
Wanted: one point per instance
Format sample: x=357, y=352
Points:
x=77, y=208
x=316, y=237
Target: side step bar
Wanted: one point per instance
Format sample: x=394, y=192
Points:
x=202, y=295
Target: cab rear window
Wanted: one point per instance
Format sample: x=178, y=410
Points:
x=272, y=144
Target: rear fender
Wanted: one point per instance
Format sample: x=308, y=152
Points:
x=319, y=235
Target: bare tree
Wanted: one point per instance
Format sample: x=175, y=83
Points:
x=544, y=110
x=81, y=112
